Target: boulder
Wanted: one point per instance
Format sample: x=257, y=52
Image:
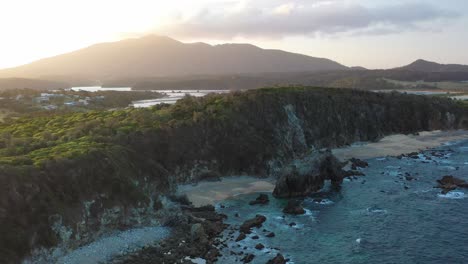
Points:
x=257, y=221
x=261, y=199
x=197, y=233
x=241, y=237
x=449, y=183
x=259, y=246
x=308, y=175
x=248, y=258
x=357, y=163
x=294, y=207
x=279, y=259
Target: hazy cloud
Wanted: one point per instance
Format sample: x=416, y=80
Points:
x=276, y=19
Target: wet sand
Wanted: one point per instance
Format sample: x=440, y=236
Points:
x=211, y=192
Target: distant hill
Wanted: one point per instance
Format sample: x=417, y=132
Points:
x=428, y=66
x=22, y=83
x=156, y=56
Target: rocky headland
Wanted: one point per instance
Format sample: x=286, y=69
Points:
x=83, y=175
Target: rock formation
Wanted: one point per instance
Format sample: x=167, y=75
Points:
x=294, y=207
x=449, y=183
x=308, y=175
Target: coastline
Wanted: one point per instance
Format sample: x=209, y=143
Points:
x=205, y=192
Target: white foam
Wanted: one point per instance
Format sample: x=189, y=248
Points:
x=375, y=210
x=324, y=202
x=196, y=260
x=452, y=195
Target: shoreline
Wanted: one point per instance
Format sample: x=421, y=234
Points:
x=209, y=192
x=399, y=144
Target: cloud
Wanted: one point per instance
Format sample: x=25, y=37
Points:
x=277, y=19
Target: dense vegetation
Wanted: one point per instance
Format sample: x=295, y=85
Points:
x=33, y=103
x=52, y=165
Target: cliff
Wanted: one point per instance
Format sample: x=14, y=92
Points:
x=65, y=179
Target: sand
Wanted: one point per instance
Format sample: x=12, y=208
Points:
x=399, y=144
x=212, y=192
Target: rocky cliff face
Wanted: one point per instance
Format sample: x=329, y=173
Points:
x=258, y=132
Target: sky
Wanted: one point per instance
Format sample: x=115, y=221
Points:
x=369, y=33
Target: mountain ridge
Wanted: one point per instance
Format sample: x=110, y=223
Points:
x=157, y=56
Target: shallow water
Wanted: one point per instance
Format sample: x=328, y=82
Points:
x=373, y=219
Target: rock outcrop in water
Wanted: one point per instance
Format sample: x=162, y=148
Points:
x=64, y=180
x=449, y=183
x=308, y=175
x=257, y=222
x=261, y=199
x=294, y=207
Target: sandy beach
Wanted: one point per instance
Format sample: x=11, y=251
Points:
x=211, y=192
x=395, y=145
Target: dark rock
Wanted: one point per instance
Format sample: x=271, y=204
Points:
x=212, y=255
x=449, y=183
x=357, y=163
x=350, y=173
x=255, y=222
x=197, y=233
x=241, y=236
x=248, y=258
x=279, y=259
x=261, y=199
x=308, y=175
x=205, y=208
x=236, y=214
x=294, y=207
x=409, y=178
x=209, y=176
x=292, y=224
x=255, y=237
x=181, y=199
x=271, y=235
x=259, y=246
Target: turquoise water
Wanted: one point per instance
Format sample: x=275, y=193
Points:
x=373, y=219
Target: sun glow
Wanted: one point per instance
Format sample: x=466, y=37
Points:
x=35, y=29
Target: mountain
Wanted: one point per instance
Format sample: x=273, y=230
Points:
x=21, y=83
x=429, y=66
x=156, y=56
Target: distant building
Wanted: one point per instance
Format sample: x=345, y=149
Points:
x=49, y=107
x=41, y=99
x=83, y=102
x=51, y=95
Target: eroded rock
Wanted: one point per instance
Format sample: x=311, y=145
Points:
x=308, y=175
